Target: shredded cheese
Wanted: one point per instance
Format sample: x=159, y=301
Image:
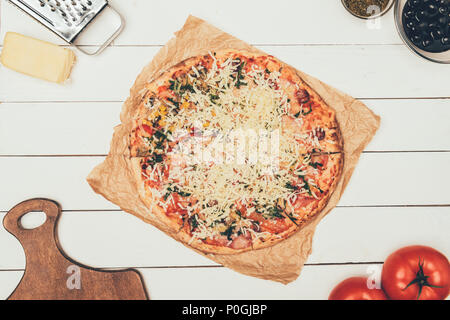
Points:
x=235, y=115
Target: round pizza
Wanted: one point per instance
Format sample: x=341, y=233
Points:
x=233, y=151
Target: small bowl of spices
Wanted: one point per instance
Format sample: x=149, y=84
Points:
x=367, y=9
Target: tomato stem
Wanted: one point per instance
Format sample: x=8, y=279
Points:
x=421, y=280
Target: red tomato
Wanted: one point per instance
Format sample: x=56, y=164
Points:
x=356, y=288
x=416, y=272
x=147, y=129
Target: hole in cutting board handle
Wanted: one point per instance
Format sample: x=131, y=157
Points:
x=33, y=220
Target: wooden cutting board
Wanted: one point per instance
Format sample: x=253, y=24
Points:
x=51, y=275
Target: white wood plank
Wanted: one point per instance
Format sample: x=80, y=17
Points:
x=107, y=77
x=81, y=128
x=118, y=239
x=358, y=70
x=399, y=178
x=9, y=281
x=255, y=21
x=371, y=234
x=379, y=179
x=379, y=71
x=86, y=128
x=410, y=125
x=222, y=283
x=260, y=22
x=315, y=282
x=61, y=179
x=326, y=42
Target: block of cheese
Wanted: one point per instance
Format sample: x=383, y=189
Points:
x=36, y=58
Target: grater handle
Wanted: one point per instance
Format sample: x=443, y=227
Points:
x=110, y=39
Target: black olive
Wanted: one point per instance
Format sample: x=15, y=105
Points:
x=436, y=33
x=427, y=41
x=413, y=3
x=443, y=10
x=445, y=41
x=421, y=15
x=423, y=27
x=432, y=10
x=410, y=24
x=409, y=14
x=416, y=39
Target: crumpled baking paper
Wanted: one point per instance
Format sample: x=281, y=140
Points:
x=114, y=180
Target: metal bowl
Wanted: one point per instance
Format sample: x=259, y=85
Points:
x=389, y=5
x=440, y=57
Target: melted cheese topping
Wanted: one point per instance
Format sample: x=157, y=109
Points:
x=231, y=148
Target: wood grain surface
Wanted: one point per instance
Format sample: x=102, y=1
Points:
x=398, y=195
x=51, y=275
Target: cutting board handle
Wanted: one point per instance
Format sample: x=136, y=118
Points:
x=50, y=274
x=13, y=225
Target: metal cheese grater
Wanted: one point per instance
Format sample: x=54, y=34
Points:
x=68, y=18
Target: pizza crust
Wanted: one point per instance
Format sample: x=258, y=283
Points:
x=153, y=208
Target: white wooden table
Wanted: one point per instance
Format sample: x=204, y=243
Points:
x=51, y=136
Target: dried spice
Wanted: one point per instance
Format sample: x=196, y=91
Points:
x=364, y=7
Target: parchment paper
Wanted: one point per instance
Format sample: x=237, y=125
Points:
x=114, y=180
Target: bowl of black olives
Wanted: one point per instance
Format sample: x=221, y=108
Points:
x=424, y=26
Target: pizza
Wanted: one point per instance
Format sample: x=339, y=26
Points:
x=233, y=151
